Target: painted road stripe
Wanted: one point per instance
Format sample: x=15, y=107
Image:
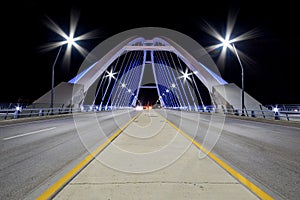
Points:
x=52, y=190
x=30, y=133
x=256, y=190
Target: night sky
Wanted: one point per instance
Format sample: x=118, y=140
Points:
x=272, y=79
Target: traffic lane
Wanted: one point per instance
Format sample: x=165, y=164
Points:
x=267, y=154
x=15, y=149
x=37, y=158
x=12, y=129
x=285, y=138
x=28, y=161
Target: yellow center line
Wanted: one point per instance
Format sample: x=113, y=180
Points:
x=256, y=190
x=53, y=189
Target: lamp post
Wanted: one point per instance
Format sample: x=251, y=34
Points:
x=228, y=44
x=243, y=90
x=228, y=41
x=70, y=40
x=52, y=82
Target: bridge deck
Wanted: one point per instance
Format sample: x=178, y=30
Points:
x=151, y=160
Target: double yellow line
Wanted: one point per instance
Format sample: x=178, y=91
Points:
x=53, y=189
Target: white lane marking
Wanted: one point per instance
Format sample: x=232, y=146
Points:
x=30, y=133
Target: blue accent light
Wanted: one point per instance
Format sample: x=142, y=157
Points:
x=80, y=75
x=217, y=77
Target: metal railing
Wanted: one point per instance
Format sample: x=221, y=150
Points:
x=14, y=113
x=289, y=112
x=16, y=110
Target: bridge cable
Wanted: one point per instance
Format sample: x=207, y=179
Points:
x=112, y=91
x=188, y=86
x=127, y=84
x=156, y=81
x=123, y=69
x=98, y=89
x=139, y=68
x=165, y=68
x=181, y=84
x=199, y=94
x=168, y=63
x=131, y=77
x=162, y=78
x=176, y=69
x=109, y=84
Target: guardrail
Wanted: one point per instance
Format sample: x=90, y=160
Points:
x=267, y=114
x=290, y=112
x=19, y=112
x=14, y=111
x=272, y=112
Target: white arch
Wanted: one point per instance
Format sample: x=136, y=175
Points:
x=207, y=76
x=152, y=39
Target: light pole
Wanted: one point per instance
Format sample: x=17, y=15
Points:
x=227, y=44
x=243, y=90
x=70, y=40
x=228, y=41
x=52, y=83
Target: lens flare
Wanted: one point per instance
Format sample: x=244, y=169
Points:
x=70, y=39
x=227, y=40
x=185, y=75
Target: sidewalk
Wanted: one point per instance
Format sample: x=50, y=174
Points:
x=151, y=160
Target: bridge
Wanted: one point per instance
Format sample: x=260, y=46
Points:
x=148, y=116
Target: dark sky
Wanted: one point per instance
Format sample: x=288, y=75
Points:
x=272, y=79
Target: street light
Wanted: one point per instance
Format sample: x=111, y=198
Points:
x=228, y=44
x=52, y=82
x=70, y=40
x=243, y=90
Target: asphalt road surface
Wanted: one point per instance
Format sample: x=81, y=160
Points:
x=267, y=154
x=34, y=155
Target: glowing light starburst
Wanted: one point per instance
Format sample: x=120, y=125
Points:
x=228, y=41
x=111, y=74
x=185, y=75
x=70, y=39
x=123, y=85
